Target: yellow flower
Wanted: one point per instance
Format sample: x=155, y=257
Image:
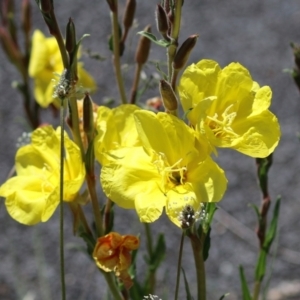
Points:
x=166, y=171
x=112, y=253
x=45, y=63
x=229, y=108
x=33, y=195
x=116, y=129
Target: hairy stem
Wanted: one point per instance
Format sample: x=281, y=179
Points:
x=61, y=203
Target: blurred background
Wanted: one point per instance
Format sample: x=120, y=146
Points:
x=256, y=34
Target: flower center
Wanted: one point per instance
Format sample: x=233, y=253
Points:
x=171, y=175
x=221, y=126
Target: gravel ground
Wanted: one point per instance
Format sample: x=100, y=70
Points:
x=255, y=33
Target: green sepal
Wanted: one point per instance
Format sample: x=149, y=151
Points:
x=186, y=285
x=90, y=158
x=206, y=245
x=152, y=37
x=260, y=269
x=210, y=208
x=245, y=290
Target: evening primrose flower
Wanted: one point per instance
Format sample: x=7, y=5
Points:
x=168, y=170
x=45, y=62
x=115, y=129
x=229, y=108
x=112, y=253
x=33, y=195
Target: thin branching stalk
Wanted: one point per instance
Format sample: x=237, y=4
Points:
x=116, y=56
x=179, y=265
x=61, y=203
x=135, y=84
x=91, y=183
x=112, y=286
x=174, y=37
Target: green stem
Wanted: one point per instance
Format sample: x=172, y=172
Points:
x=112, y=286
x=179, y=265
x=135, y=84
x=197, y=246
x=55, y=31
x=116, y=56
x=174, y=37
x=96, y=208
x=107, y=215
x=256, y=290
x=149, y=245
x=61, y=203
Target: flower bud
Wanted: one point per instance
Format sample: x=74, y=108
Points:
x=88, y=116
x=26, y=16
x=168, y=96
x=162, y=22
x=129, y=13
x=70, y=36
x=112, y=5
x=46, y=6
x=184, y=51
x=143, y=48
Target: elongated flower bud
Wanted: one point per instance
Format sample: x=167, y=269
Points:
x=168, y=96
x=88, y=116
x=129, y=13
x=143, y=48
x=70, y=36
x=46, y=6
x=184, y=51
x=162, y=22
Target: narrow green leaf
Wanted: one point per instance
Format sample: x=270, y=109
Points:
x=225, y=295
x=206, y=245
x=260, y=269
x=159, y=252
x=187, y=288
x=245, y=289
x=153, y=39
x=273, y=226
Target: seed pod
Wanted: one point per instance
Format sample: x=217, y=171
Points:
x=70, y=36
x=143, y=48
x=168, y=96
x=184, y=51
x=88, y=116
x=162, y=22
x=129, y=13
